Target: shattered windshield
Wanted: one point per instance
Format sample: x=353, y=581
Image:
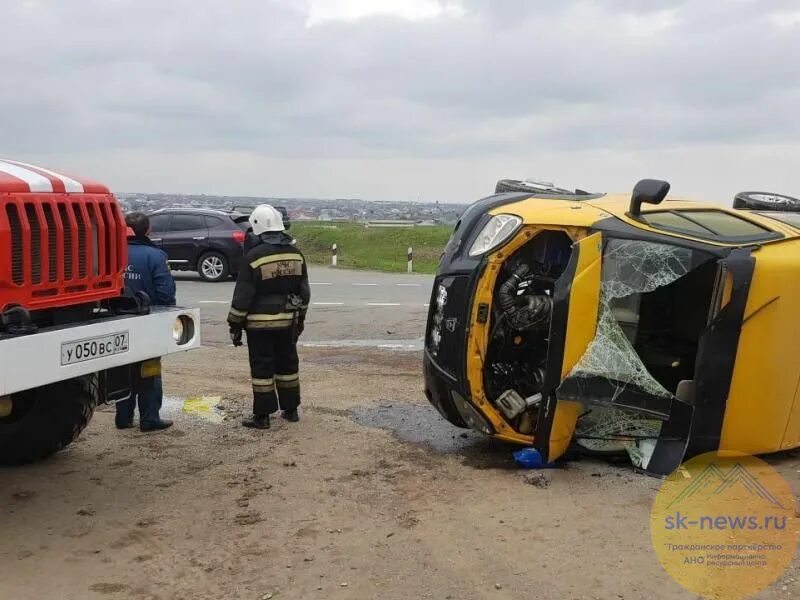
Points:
x=638, y=315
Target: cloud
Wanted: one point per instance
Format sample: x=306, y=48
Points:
x=366, y=88
x=322, y=11
x=787, y=19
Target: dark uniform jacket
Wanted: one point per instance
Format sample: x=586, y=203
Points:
x=272, y=290
x=148, y=271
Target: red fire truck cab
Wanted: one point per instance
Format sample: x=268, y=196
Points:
x=68, y=335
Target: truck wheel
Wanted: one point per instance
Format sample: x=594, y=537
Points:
x=766, y=201
x=213, y=266
x=42, y=421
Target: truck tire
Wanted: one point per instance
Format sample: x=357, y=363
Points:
x=766, y=201
x=213, y=267
x=44, y=420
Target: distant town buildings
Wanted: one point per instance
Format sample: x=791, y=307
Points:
x=307, y=209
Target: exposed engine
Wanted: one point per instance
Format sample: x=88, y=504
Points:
x=523, y=311
x=517, y=353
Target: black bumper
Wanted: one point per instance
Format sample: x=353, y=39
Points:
x=438, y=390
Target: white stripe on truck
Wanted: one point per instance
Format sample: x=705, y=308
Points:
x=36, y=182
x=70, y=185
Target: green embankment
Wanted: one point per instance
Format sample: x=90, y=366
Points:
x=377, y=249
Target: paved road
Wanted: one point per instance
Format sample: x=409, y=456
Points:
x=347, y=307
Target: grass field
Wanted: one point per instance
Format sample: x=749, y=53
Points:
x=376, y=249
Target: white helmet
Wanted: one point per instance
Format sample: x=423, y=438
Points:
x=265, y=218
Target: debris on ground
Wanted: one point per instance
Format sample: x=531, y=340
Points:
x=539, y=480
x=248, y=518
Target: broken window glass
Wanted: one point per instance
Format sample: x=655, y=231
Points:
x=611, y=375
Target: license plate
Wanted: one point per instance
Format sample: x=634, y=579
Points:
x=94, y=347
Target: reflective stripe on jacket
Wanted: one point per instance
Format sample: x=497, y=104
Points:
x=272, y=290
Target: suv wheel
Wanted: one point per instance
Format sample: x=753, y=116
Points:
x=213, y=266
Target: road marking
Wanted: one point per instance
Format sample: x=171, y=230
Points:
x=408, y=284
x=426, y=305
x=321, y=303
x=365, y=284
x=320, y=283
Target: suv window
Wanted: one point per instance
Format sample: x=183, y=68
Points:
x=212, y=222
x=709, y=224
x=159, y=223
x=182, y=222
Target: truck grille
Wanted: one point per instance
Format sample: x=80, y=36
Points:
x=62, y=212
x=61, y=245
x=17, y=274
x=52, y=243
x=36, y=243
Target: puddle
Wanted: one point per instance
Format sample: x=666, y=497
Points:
x=203, y=407
x=421, y=424
x=410, y=345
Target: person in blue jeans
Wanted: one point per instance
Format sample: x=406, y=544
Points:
x=148, y=272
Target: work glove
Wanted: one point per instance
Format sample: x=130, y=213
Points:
x=236, y=336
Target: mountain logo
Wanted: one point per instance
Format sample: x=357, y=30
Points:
x=714, y=481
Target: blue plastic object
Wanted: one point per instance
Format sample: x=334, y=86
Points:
x=530, y=458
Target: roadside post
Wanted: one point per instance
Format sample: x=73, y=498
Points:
x=410, y=260
x=334, y=251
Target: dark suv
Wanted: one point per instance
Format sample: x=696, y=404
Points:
x=203, y=240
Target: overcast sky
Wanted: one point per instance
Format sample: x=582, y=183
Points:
x=404, y=99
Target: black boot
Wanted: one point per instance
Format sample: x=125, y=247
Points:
x=159, y=425
x=291, y=415
x=257, y=422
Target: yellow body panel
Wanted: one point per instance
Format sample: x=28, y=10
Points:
x=559, y=213
x=564, y=422
x=763, y=410
x=584, y=301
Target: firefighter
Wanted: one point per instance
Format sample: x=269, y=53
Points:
x=147, y=272
x=270, y=302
